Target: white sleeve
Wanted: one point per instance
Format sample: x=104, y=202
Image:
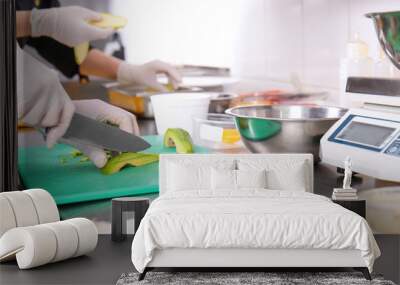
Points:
x=42, y=101
x=36, y=83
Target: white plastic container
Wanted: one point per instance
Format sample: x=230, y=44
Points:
x=383, y=67
x=356, y=63
x=176, y=110
x=216, y=131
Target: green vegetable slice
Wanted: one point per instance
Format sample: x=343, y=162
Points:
x=116, y=163
x=180, y=139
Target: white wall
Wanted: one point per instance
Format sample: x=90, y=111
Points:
x=178, y=31
x=258, y=39
x=307, y=37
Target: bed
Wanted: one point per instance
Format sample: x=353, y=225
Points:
x=247, y=210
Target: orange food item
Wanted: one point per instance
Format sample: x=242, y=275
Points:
x=131, y=103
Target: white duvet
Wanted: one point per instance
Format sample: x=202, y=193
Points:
x=250, y=219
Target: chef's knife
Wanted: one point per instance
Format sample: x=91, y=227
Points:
x=88, y=131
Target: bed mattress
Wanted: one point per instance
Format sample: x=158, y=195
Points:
x=253, y=219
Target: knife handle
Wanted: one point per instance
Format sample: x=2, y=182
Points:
x=43, y=131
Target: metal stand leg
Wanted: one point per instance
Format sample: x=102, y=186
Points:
x=364, y=271
x=138, y=205
x=116, y=224
x=143, y=274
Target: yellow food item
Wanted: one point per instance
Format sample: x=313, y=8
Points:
x=134, y=104
x=230, y=136
x=169, y=87
x=110, y=21
x=81, y=51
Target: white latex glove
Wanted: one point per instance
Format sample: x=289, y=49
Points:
x=42, y=101
x=68, y=25
x=146, y=74
x=101, y=111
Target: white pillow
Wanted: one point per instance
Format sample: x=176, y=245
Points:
x=186, y=174
x=187, y=177
x=282, y=174
x=223, y=179
x=293, y=180
x=230, y=180
x=251, y=179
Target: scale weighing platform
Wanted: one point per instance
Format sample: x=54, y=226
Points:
x=370, y=135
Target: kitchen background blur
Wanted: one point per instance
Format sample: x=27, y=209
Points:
x=266, y=42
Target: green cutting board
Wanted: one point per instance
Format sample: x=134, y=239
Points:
x=70, y=181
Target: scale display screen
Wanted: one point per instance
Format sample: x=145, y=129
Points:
x=366, y=134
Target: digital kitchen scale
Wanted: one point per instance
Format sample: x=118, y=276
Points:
x=370, y=134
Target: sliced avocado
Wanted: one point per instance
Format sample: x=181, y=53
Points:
x=76, y=153
x=80, y=52
x=110, y=21
x=116, y=163
x=180, y=139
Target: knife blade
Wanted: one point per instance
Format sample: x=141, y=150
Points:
x=88, y=131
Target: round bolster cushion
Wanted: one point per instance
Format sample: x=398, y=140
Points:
x=23, y=209
x=26, y=208
x=7, y=219
x=40, y=244
x=45, y=205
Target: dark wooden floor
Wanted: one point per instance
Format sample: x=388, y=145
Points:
x=103, y=266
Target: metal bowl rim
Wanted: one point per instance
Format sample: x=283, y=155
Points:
x=374, y=14
x=230, y=112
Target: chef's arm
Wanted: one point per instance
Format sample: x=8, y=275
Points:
x=67, y=25
x=99, y=64
x=23, y=27
x=43, y=103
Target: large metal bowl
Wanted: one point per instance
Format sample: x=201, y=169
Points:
x=284, y=128
x=387, y=26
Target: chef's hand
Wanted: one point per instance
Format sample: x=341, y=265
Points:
x=146, y=74
x=101, y=111
x=68, y=25
x=42, y=101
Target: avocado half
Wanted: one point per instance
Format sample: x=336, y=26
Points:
x=179, y=138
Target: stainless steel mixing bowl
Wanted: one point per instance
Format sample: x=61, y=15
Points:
x=387, y=26
x=284, y=128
